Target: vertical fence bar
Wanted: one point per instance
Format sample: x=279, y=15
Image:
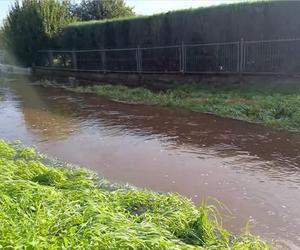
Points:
x=180, y=59
x=238, y=58
x=242, y=55
x=183, y=58
x=2, y=57
x=74, y=60
x=103, y=60
x=138, y=59
x=245, y=47
x=50, y=55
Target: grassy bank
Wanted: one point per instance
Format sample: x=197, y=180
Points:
x=273, y=106
x=49, y=205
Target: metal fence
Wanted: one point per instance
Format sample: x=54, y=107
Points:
x=2, y=56
x=266, y=56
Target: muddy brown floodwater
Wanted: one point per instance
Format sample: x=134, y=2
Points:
x=253, y=170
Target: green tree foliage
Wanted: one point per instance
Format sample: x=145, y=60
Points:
x=32, y=25
x=101, y=9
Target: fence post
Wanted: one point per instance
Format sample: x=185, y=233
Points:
x=103, y=60
x=74, y=60
x=138, y=59
x=241, y=56
x=238, y=57
x=2, y=57
x=182, y=58
x=50, y=55
x=245, y=46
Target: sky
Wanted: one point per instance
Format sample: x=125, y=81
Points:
x=148, y=7
x=144, y=7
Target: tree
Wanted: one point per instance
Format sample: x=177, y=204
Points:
x=33, y=25
x=101, y=9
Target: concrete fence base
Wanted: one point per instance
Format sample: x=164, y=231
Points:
x=160, y=81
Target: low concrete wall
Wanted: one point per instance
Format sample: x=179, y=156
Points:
x=6, y=69
x=160, y=81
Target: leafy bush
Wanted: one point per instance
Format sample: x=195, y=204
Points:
x=100, y=9
x=33, y=25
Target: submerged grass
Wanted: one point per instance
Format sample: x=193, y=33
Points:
x=273, y=106
x=49, y=205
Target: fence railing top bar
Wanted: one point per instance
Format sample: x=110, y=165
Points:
x=68, y=51
x=274, y=40
x=161, y=47
x=89, y=50
x=55, y=51
x=82, y=51
x=210, y=44
x=124, y=49
x=102, y=50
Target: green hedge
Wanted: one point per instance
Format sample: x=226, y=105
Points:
x=258, y=20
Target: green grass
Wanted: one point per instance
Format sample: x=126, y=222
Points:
x=49, y=205
x=273, y=106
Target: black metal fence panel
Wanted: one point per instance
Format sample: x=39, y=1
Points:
x=212, y=58
x=161, y=59
x=272, y=56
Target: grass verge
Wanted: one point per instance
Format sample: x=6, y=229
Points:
x=273, y=106
x=50, y=205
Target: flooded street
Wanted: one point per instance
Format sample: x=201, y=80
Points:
x=254, y=171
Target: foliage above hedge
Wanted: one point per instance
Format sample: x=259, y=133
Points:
x=100, y=9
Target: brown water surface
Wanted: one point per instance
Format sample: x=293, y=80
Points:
x=253, y=170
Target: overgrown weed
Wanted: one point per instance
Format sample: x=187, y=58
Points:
x=46, y=205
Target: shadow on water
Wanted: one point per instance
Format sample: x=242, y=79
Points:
x=252, y=169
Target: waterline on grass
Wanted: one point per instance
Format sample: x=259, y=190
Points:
x=276, y=108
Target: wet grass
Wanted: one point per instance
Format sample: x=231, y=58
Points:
x=276, y=106
x=49, y=205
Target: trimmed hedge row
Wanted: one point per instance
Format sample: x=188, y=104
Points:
x=251, y=21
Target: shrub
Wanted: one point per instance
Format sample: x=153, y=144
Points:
x=99, y=9
x=32, y=25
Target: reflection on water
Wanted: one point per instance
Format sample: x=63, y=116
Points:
x=252, y=169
